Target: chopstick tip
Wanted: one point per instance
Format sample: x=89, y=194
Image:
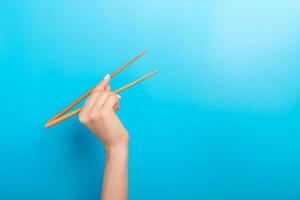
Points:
x=47, y=125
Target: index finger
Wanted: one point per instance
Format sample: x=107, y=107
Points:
x=103, y=84
x=95, y=93
x=107, y=88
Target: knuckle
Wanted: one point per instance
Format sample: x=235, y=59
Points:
x=97, y=91
x=83, y=118
x=103, y=114
x=94, y=116
x=105, y=92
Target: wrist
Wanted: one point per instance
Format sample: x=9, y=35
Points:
x=119, y=150
x=119, y=146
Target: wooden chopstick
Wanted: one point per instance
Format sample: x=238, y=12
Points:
x=66, y=109
x=68, y=115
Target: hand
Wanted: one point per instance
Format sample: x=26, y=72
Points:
x=98, y=114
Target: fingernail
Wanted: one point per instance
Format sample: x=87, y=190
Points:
x=107, y=76
x=119, y=96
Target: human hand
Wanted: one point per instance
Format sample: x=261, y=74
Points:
x=99, y=115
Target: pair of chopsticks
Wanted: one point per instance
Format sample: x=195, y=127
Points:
x=61, y=116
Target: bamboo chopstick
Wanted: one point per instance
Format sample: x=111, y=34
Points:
x=66, y=109
x=68, y=115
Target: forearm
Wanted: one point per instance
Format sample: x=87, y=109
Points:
x=115, y=179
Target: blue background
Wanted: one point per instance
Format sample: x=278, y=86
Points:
x=220, y=120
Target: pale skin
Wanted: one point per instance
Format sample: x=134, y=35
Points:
x=99, y=115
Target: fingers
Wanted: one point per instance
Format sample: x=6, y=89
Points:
x=111, y=102
x=94, y=95
x=105, y=104
x=90, y=101
x=103, y=84
x=100, y=100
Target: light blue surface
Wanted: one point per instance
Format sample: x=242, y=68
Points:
x=220, y=120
